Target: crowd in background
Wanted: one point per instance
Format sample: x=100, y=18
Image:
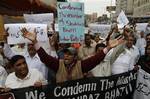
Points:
x=40, y=63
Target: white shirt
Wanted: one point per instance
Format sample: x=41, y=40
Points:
x=3, y=76
x=33, y=76
x=141, y=44
x=33, y=62
x=125, y=61
x=103, y=68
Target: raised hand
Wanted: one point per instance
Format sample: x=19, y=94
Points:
x=29, y=35
x=37, y=84
x=115, y=42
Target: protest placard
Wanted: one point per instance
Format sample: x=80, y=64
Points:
x=119, y=86
x=122, y=19
x=141, y=26
x=70, y=22
x=142, y=90
x=46, y=18
x=43, y=18
x=16, y=36
x=103, y=29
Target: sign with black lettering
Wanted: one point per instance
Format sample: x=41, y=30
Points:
x=142, y=85
x=43, y=18
x=16, y=36
x=103, y=29
x=114, y=87
x=70, y=22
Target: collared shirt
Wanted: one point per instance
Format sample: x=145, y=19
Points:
x=33, y=76
x=125, y=61
x=141, y=44
x=35, y=62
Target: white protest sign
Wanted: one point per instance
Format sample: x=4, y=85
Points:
x=56, y=27
x=141, y=26
x=46, y=18
x=122, y=20
x=15, y=34
x=142, y=85
x=100, y=28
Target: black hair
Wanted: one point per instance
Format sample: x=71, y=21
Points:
x=100, y=45
x=15, y=58
x=147, y=35
x=146, y=49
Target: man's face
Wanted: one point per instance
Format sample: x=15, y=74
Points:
x=31, y=50
x=148, y=50
x=97, y=38
x=148, y=40
x=68, y=58
x=21, y=69
x=130, y=42
x=87, y=40
x=99, y=49
x=142, y=34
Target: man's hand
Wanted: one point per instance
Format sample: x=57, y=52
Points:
x=29, y=35
x=37, y=84
x=115, y=42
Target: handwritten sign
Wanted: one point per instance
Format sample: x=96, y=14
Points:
x=122, y=20
x=142, y=85
x=15, y=34
x=141, y=26
x=103, y=29
x=46, y=18
x=70, y=22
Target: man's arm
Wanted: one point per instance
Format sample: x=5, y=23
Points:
x=48, y=60
x=92, y=61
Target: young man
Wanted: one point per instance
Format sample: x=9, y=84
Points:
x=22, y=76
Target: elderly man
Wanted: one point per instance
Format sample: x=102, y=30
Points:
x=69, y=68
x=128, y=58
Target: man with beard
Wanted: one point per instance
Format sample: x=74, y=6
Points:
x=69, y=68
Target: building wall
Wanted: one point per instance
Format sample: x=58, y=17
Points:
x=125, y=5
x=91, y=18
x=141, y=8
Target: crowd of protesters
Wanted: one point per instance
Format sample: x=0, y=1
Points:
x=24, y=65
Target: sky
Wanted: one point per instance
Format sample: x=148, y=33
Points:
x=98, y=6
